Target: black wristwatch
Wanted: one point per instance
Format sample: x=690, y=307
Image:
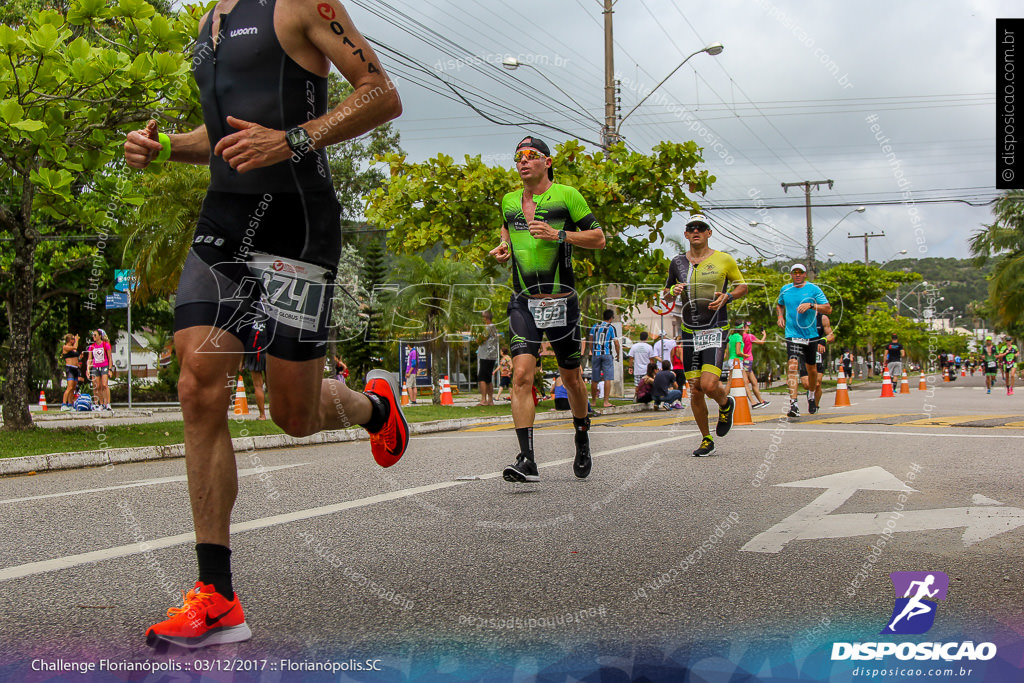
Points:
x=561, y=236
x=299, y=141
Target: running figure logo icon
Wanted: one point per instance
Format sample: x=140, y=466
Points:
x=913, y=612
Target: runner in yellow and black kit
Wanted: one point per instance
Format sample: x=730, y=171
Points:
x=705, y=281
x=541, y=224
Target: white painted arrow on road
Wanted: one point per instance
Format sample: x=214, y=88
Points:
x=814, y=521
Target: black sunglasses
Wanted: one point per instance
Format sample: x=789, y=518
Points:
x=697, y=228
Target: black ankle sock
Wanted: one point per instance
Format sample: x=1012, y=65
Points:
x=525, y=436
x=215, y=567
x=582, y=424
x=381, y=411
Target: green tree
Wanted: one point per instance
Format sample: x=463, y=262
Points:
x=1002, y=242
x=353, y=174
x=363, y=337
x=71, y=82
x=440, y=203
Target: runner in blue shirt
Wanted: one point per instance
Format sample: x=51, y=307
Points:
x=798, y=305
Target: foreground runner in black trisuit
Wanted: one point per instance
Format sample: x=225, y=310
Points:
x=265, y=251
x=541, y=223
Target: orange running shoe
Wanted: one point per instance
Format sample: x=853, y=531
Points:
x=390, y=442
x=206, y=618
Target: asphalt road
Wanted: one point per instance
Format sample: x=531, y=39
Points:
x=659, y=560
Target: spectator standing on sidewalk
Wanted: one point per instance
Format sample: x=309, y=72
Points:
x=604, y=351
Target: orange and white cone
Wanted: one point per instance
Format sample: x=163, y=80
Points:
x=904, y=384
x=963, y=372
x=405, y=394
x=42, y=401
x=945, y=374
x=923, y=384
x=842, y=391
x=686, y=394
x=446, y=392
x=241, y=402
x=738, y=390
x=886, y=385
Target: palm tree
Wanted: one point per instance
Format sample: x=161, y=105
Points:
x=1003, y=242
x=437, y=302
x=160, y=234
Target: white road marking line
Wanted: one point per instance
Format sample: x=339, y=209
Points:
x=69, y=561
x=145, y=482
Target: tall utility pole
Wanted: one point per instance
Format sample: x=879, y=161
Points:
x=608, y=136
x=866, y=237
x=806, y=184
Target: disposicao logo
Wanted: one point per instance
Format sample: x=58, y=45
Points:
x=912, y=614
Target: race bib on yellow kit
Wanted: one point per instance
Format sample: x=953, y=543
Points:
x=707, y=339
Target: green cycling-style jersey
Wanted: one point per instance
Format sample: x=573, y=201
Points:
x=545, y=266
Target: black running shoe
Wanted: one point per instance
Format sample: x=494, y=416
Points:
x=794, y=410
x=707, y=447
x=523, y=470
x=812, y=406
x=725, y=417
x=581, y=465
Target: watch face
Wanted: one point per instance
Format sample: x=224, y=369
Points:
x=297, y=137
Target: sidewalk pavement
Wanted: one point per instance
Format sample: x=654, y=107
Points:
x=115, y=456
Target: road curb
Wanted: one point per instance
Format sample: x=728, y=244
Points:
x=117, y=456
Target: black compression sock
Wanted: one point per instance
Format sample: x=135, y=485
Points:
x=215, y=567
x=381, y=412
x=582, y=424
x=525, y=436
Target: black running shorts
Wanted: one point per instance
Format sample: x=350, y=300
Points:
x=708, y=358
x=802, y=349
x=563, y=331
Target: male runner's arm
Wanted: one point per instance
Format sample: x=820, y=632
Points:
x=326, y=27
x=503, y=252
x=826, y=324
x=733, y=277
x=780, y=313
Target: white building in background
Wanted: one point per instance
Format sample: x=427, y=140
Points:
x=145, y=361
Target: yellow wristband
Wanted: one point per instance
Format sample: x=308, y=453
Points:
x=503, y=244
x=165, y=153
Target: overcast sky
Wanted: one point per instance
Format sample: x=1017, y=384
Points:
x=788, y=100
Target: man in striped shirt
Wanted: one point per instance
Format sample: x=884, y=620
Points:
x=601, y=338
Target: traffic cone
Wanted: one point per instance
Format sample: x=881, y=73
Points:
x=446, y=392
x=904, y=383
x=241, y=402
x=842, y=392
x=738, y=390
x=683, y=389
x=945, y=374
x=963, y=372
x=886, y=384
x=923, y=384
x=405, y=394
x=42, y=401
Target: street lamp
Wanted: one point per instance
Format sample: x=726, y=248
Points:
x=511, y=63
x=712, y=49
x=859, y=209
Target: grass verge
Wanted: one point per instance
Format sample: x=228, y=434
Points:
x=98, y=435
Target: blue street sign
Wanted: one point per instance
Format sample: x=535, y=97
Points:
x=117, y=300
x=124, y=281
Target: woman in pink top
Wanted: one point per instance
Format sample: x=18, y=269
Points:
x=99, y=368
x=748, y=363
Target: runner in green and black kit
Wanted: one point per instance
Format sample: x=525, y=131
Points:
x=541, y=224
x=990, y=362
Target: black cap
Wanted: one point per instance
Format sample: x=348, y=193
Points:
x=539, y=145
